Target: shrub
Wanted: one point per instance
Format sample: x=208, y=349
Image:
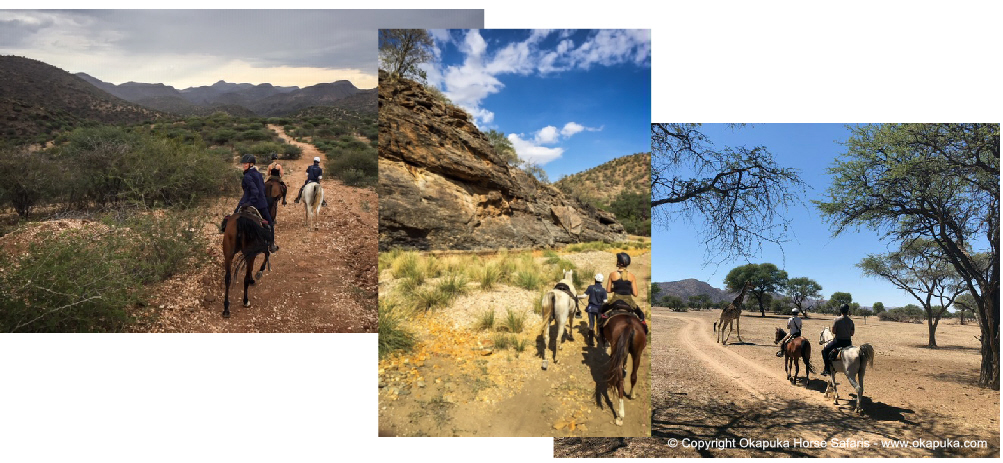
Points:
x=513, y=322
x=528, y=279
x=486, y=320
x=390, y=328
x=453, y=285
x=355, y=167
x=489, y=276
x=501, y=341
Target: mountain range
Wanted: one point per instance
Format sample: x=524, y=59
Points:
x=693, y=287
x=262, y=99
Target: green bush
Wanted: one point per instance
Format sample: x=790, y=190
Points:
x=354, y=168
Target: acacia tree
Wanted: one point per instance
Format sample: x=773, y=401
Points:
x=402, y=50
x=837, y=299
x=739, y=194
x=935, y=181
x=765, y=278
x=919, y=268
x=878, y=307
x=966, y=307
x=800, y=289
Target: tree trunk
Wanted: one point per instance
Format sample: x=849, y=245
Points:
x=989, y=322
x=933, y=331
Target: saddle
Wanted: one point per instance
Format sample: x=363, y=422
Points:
x=252, y=213
x=562, y=287
x=837, y=353
x=618, y=307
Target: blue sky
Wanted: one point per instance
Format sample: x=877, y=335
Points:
x=567, y=99
x=812, y=251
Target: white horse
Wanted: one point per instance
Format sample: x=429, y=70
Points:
x=852, y=363
x=313, y=197
x=558, y=306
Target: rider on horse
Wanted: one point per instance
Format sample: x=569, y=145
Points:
x=254, y=195
x=623, y=285
x=597, y=297
x=313, y=174
x=842, y=330
x=794, y=326
x=275, y=172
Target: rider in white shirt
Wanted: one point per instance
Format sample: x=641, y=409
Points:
x=794, y=329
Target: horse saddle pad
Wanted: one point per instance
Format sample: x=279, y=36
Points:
x=837, y=354
x=252, y=213
x=562, y=287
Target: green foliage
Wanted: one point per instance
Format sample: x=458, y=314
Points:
x=838, y=299
x=801, y=289
x=490, y=274
x=402, y=50
x=357, y=167
x=86, y=280
x=503, y=146
x=29, y=180
x=878, y=307
x=766, y=278
x=502, y=341
x=528, y=279
x=535, y=171
x=633, y=210
x=909, y=314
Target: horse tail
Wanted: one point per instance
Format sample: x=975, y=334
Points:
x=866, y=355
x=548, y=302
x=619, y=357
x=806, y=356
x=314, y=196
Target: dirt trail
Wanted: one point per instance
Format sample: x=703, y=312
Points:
x=320, y=281
x=706, y=392
x=446, y=387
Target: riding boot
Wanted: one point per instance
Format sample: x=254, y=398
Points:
x=299, y=196
x=780, y=353
x=273, y=248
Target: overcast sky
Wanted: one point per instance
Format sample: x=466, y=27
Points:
x=185, y=48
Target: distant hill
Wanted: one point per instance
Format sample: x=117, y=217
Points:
x=692, y=287
x=262, y=99
x=621, y=186
x=38, y=100
x=604, y=182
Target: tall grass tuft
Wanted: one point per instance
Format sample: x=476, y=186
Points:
x=453, y=285
x=490, y=275
x=486, y=320
x=528, y=279
x=389, y=324
x=513, y=322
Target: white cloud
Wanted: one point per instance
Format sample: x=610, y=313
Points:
x=469, y=83
x=546, y=135
x=531, y=152
x=572, y=128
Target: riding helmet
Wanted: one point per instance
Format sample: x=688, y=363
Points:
x=599, y=277
x=248, y=158
x=622, y=259
x=316, y=159
x=274, y=156
x=844, y=309
x=795, y=311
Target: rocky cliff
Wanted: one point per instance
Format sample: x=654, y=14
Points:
x=442, y=186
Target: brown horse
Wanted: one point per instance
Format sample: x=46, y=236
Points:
x=250, y=239
x=273, y=191
x=797, y=347
x=626, y=335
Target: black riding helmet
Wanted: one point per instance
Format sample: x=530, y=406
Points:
x=622, y=259
x=274, y=156
x=844, y=309
x=248, y=158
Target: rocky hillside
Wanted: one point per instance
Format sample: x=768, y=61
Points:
x=606, y=181
x=442, y=186
x=38, y=100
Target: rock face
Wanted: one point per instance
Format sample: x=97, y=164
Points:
x=442, y=186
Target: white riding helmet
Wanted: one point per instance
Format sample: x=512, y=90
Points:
x=599, y=277
x=316, y=159
x=795, y=311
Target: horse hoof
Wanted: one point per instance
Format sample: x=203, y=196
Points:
x=250, y=283
x=247, y=304
x=226, y=314
x=544, y=364
x=619, y=421
x=258, y=275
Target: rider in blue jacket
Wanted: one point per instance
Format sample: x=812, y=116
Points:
x=254, y=193
x=313, y=174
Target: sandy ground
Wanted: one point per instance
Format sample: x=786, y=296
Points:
x=447, y=386
x=320, y=281
x=707, y=392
